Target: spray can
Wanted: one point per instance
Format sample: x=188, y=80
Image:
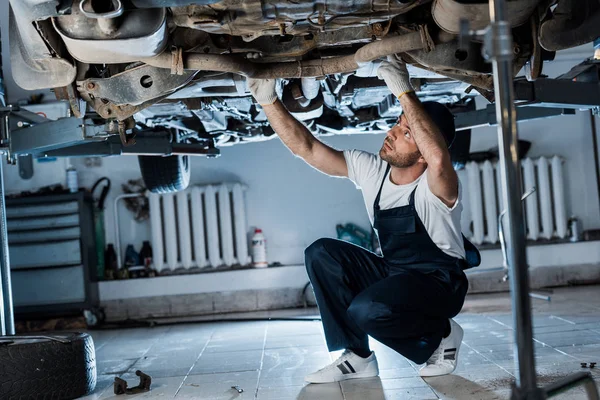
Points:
x=575, y=228
x=259, y=249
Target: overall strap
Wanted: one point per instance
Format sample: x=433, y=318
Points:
x=376, y=205
x=411, y=199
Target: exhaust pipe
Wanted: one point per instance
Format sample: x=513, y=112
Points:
x=177, y=61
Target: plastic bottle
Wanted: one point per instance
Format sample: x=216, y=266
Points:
x=110, y=262
x=72, y=183
x=259, y=250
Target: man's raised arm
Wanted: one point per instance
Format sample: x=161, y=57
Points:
x=294, y=134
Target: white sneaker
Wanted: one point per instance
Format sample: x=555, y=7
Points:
x=348, y=366
x=444, y=359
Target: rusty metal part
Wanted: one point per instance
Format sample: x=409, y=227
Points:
x=300, y=69
x=120, y=385
x=449, y=56
x=127, y=139
x=533, y=68
x=255, y=18
x=177, y=61
x=272, y=48
x=377, y=29
x=573, y=23
x=69, y=93
x=141, y=33
x=108, y=19
x=447, y=14
x=298, y=95
x=108, y=110
x=136, y=85
x=478, y=80
x=489, y=96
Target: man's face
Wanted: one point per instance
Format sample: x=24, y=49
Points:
x=399, y=148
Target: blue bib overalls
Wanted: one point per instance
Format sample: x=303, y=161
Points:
x=403, y=299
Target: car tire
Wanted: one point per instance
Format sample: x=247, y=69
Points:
x=41, y=367
x=165, y=174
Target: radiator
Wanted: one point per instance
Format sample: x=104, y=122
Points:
x=544, y=211
x=200, y=227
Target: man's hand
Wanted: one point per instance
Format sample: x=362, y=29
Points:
x=394, y=73
x=263, y=90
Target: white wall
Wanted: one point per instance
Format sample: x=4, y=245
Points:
x=295, y=205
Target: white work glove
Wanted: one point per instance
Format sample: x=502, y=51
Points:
x=394, y=73
x=263, y=90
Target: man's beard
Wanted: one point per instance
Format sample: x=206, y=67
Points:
x=399, y=160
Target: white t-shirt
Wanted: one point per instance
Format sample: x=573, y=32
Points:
x=442, y=223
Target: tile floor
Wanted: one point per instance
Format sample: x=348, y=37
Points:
x=268, y=359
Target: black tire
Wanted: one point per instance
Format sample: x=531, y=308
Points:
x=165, y=174
x=47, y=369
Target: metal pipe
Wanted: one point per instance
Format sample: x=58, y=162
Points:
x=299, y=69
x=310, y=87
x=501, y=228
x=500, y=45
x=540, y=296
x=116, y=219
x=572, y=381
x=7, y=320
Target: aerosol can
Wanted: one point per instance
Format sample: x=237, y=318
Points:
x=575, y=228
x=259, y=249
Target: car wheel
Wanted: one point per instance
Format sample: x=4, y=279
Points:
x=51, y=367
x=165, y=174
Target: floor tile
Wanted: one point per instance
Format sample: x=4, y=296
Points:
x=371, y=384
x=279, y=392
x=295, y=357
x=459, y=388
x=219, y=386
x=107, y=367
x=392, y=373
x=269, y=359
x=295, y=341
x=323, y=391
x=422, y=393
x=228, y=362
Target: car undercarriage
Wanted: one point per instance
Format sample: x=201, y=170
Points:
x=181, y=66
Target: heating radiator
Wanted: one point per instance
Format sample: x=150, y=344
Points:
x=544, y=211
x=202, y=226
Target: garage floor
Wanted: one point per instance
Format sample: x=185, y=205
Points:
x=268, y=359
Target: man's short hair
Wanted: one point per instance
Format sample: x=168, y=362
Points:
x=443, y=118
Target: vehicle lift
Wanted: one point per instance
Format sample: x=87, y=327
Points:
x=541, y=98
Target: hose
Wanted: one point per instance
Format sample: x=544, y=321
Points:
x=176, y=61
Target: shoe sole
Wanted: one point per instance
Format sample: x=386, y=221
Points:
x=455, y=364
x=445, y=373
x=346, y=377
